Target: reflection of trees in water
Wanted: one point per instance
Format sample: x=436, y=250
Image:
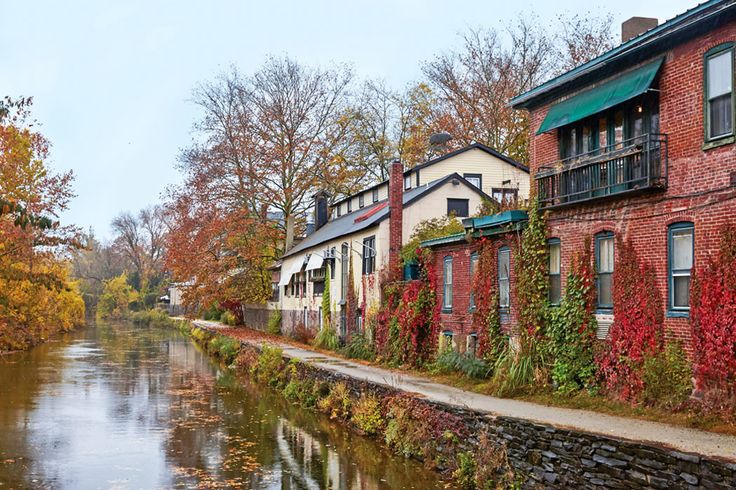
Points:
x=215, y=431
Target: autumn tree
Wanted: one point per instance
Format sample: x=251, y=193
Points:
x=141, y=239
x=473, y=84
x=92, y=265
x=272, y=138
x=389, y=124
x=36, y=295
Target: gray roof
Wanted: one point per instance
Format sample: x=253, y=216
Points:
x=372, y=215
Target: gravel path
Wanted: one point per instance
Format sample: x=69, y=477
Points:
x=679, y=438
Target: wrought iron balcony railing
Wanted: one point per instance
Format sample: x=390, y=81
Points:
x=634, y=165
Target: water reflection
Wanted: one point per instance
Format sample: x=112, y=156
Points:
x=123, y=407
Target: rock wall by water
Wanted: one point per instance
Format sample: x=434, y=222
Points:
x=550, y=457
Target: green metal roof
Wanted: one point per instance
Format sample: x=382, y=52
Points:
x=483, y=226
x=638, y=46
x=454, y=238
x=495, y=220
x=600, y=98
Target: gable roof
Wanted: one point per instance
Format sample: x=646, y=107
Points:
x=645, y=46
x=372, y=215
x=429, y=163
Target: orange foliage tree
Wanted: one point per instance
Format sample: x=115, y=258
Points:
x=36, y=296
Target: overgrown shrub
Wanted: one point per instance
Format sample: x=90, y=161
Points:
x=517, y=369
x=449, y=361
x=492, y=468
x=212, y=313
x=359, y=347
x=303, y=389
x=116, y=299
x=338, y=402
x=269, y=369
x=274, y=323
x=224, y=347
x=637, y=330
x=571, y=329
x=667, y=377
x=367, y=414
x=303, y=334
x=153, y=318
x=327, y=338
x=228, y=318
x=416, y=429
x=464, y=475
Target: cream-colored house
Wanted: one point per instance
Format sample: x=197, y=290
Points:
x=361, y=232
x=494, y=173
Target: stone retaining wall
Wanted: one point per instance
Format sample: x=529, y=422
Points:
x=551, y=457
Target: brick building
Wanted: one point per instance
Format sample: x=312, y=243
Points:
x=456, y=259
x=639, y=143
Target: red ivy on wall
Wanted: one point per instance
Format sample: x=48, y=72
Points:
x=713, y=318
x=486, y=321
x=407, y=327
x=637, y=330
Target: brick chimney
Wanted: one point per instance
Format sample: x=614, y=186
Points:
x=635, y=26
x=396, y=217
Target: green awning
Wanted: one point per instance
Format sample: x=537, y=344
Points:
x=602, y=97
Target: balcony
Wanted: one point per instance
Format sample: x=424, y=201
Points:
x=632, y=166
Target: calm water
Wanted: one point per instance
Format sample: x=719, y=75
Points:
x=125, y=407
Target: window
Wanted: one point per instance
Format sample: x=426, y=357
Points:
x=447, y=284
x=604, y=257
x=471, y=347
x=447, y=343
x=344, y=272
x=719, y=91
x=504, y=268
x=417, y=174
x=473, y=268
x=457, y=207
x=504, y=195
x=407, y=182
x=318, y=288
x=350, y=205
x=554, y=271
x=361, y=201
x=681, y=247
x=369, y=255
x=339, y=210
x=475, y=179
x=375, y=195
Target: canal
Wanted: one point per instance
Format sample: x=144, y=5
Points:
x=122, y=406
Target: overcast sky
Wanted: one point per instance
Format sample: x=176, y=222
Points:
x=111, y=80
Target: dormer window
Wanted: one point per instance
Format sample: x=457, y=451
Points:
x=407, y=182
x=375, y=195
x=350, y=205
x=361, y=200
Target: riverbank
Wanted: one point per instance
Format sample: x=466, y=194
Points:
x=550, y=446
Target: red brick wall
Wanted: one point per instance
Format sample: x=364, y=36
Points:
x=460, y=320
x=699, y=185
x=396, y=217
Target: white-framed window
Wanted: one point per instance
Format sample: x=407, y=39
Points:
x=604, y=259
x=681, y=248
x=504, y=277
x=719, y=99
x=555, y=283
x=447, y=284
